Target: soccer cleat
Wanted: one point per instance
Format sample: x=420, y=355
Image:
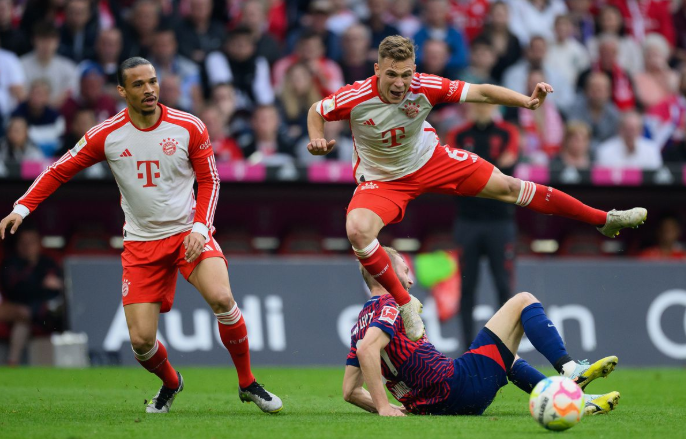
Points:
x=584, y=372
x=414, y=326
x=264, y=399
x=161, y=403
x=601, y=404
x=620, y=219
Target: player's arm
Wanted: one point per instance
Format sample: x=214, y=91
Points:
x=315, y=127
x=353, y=392
x=202, y=161
x=494, y=94
x=369, y=356
x=86, y=153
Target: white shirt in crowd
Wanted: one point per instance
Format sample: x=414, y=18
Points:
x=613, y=153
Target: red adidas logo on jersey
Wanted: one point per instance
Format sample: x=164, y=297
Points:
x=126, y=153
x=369, y=122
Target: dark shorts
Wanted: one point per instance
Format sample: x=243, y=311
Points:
x=479, y=374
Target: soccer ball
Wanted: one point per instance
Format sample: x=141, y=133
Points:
x=557, y=403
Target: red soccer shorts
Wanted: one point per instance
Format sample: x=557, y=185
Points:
x=150, y=268
x=449, y=171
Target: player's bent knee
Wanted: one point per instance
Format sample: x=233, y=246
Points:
x=525, y=299
x=360, y=232
x=222, y=301
x=142, y=345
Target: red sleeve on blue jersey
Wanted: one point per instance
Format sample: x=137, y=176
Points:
x=386, y=316
x=438, y=89
x=338, y=105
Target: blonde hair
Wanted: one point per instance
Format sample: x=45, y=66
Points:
x=397, y=48
x=576, y=127
x=294, y=104
x=368, y=279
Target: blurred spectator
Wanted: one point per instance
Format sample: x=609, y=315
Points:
x=355, y=61
x=505, y=44
x=165, y=58
x=139, y=31
x=46, y=125
x=12, y=38
x=376, y=22
x=91, y=96
x=253, y=17
x=171, y=93
x=629, y=149
x=403, y=18
x=622, y=89
x=543, y=129
x=611, y=22
x=343, y=151
x=315, y=21
x=16, y=146
x=269, y=143
x=296, y=98
x=84, y=120
x=31, y=284
x=341, y=17
x=468, y=15
x=515, y=77
x=668, y=124
x=658, y=82
x=199, y=34
x=44, y=63
x=225, y=147
x=435, y=59
x=481, y=62
x=41, y=11
x=567, y=54
x=595, y=108
x=485, y=227
x=646, y=16
x=223, y=98
x=668, y=246
x=436, y=27
x=575, y=148
x=679, y=18
x=582, y=18
x=529, y=18
x=239, y=65
x=12, y=80
x=328, y=76
x=79, y=31
x=108, y=51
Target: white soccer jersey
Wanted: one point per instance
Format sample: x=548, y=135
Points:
x=154, y=168
x=391, y=140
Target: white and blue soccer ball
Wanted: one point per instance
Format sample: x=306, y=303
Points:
x=557, y=403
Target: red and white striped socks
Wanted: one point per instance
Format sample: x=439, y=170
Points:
x=377, y=262
x=234, y=335
x=155, y=361
x=545, y=199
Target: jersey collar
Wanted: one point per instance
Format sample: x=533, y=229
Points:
x=163, y=115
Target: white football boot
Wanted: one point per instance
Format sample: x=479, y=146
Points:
x=161, y=403
x=584, y=372
x=414, y=326
x=620, y=219
x=264, y=399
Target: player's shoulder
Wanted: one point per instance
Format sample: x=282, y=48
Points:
x=101, y=130
x=426, y=80
x=362, y=84
x=354, y=93
x=386, y=300
x=185, y=120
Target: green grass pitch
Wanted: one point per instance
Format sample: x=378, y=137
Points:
x=108, y=403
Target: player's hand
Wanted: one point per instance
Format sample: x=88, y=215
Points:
x=320, y=146
x=538, y=96
x=390, y=411
x=14, y=220
x=194, y=243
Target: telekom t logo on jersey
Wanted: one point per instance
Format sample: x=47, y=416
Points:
x=148, y=171
x=394, y=137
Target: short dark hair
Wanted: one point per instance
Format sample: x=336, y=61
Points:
x=129, y=64
x=239, y=31
x=45, y=29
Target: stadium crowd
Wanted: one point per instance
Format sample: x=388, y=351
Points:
x=250, y=69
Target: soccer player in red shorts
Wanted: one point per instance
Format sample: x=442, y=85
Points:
x=398, y=157
x=156, y=153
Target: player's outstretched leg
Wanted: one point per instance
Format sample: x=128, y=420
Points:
x=601, y=404
x=362, y=226
x=212, y=280
x=546, y=200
